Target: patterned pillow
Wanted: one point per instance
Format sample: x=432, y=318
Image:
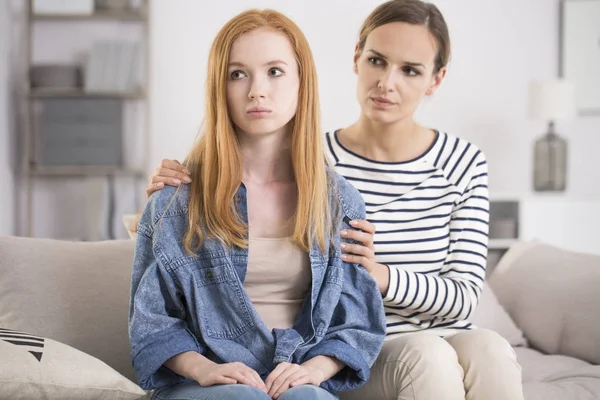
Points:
x=130, y=221
x=34, y=367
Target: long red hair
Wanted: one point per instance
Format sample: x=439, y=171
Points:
x=215, y=161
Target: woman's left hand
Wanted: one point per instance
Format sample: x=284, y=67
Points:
x=364, y=254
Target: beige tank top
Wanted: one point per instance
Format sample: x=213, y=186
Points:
x=277, y=279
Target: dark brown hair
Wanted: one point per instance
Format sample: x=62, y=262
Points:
x=415, y=12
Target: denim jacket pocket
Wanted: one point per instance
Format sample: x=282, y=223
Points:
x=221, y=302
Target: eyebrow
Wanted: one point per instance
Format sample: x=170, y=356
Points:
x=242, y=65
x=409, y=63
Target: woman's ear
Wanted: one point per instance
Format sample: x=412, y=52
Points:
x=356, y=57
x=436, y=81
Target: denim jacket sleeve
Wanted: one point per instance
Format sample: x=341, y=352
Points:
x=157, y=325
x=357, y=329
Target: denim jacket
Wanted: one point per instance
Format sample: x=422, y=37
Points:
x=198, y=303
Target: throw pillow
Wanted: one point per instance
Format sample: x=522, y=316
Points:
x=35, y=367
x=490, y=314
x=552, y=293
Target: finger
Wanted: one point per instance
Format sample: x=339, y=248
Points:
x=241, y=378
x=278, y=384
x=274, y=374
x=172, y=181
x=170, y=173
x=249, y=374
x=153, y=187
x=155, y=184
x=223, y=380
x=361, y=237
x=301, y=373
x=173, y=165
x=303, y=380
x=258, y=383
x=363, y=225
x=286, y=384
x=259, y=380
x=360, y=260
x=275, y=383
x=358, y=250
x=172, y=169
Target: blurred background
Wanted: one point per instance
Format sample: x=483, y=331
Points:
x=94, y=93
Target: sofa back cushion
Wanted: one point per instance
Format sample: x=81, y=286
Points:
x=552, y=295
x=76, y=293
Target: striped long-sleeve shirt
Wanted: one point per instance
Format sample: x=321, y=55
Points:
x=431, y=216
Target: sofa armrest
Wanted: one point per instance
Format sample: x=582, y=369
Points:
x=553, y=295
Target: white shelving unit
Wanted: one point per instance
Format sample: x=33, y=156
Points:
x=32, y=171
x=502, y=209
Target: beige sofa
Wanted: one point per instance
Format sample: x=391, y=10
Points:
x=74, y=295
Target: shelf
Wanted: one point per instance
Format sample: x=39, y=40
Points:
x=501, y=244
x=84, y=170
x=100, y=24
x=125, y=15
x=70, y=93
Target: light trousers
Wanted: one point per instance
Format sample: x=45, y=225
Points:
x=474, y=365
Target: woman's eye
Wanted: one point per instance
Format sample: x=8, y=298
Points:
x=237, y=75
x=411, y=72
x=375, y=61
x=275, y=72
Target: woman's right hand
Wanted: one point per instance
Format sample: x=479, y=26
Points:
x=210, y=373
x=168, y=172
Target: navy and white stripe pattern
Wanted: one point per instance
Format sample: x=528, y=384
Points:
x=431, y=216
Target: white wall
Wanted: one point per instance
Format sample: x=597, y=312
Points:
x=483, y=99
x=7, y=205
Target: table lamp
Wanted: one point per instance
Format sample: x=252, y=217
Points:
x=551, y=100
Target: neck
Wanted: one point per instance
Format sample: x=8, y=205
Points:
x=397, y=142
x=266, y=158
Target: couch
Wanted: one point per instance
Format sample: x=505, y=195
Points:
x=71, y=298
x=544, y=300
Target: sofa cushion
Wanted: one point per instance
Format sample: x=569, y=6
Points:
x=34, y=367
x=552, y=295
x=76, y=293
x=491, y=315
x=556, y=377
x=538, y=366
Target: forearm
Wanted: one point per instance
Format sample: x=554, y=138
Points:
x=448, y=297
x=329, y=366
x=187, y=364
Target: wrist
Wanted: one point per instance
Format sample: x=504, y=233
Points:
x=189, y=364
x=324, y=367
x=199, y=366
x=381, y=274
